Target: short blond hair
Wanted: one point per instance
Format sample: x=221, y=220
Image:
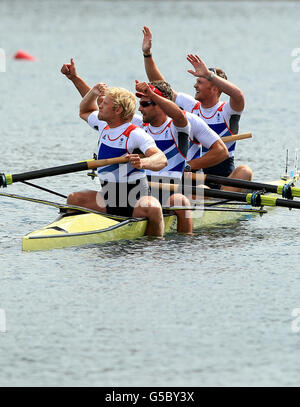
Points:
x=123, y=98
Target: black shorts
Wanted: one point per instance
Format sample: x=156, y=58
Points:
x=120, y=197
x=223, y=169
x=159, y=193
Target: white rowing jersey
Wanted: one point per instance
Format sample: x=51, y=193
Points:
x=201, y=135
x=116, y=142
x=221, y=118
x=167, y=140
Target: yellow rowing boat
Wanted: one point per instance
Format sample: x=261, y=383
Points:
x=81, y=229
x=86, y=228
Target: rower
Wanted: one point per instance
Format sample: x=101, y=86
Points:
x=222, y=117
x=201, y=135
x=124, y=187
x=167, y=124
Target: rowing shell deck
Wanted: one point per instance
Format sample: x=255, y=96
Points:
x=89, y=228
x=80, y=229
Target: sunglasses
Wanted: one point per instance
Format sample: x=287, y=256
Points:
x=144, y=103
x=213, y=70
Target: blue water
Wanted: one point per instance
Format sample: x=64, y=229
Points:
x=209, y=310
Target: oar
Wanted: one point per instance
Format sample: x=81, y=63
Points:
x=286, y=190
x=213, y=209
x=254, y=199
x=7, y=179
x=63, y=207
x=235, y=137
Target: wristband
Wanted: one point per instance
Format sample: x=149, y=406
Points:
x=187, y=168
x=147, y=56
x=210, y=76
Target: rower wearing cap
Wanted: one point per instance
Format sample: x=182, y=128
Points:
x=201, y=135
x=222, y=117
x=169, y=127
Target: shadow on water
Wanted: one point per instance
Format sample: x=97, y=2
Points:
x=173, y=242
x=241, y=241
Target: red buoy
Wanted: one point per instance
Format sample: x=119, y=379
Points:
x=24, y=55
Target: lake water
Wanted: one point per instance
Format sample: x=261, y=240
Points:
x=210, y=310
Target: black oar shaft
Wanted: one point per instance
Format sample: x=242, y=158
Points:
x=49, y=172
x=255, y=199
x=44, y=189
x=215, y=193
x=232, y=182
x=286, y=190
x=7, y=179
x=287, y=203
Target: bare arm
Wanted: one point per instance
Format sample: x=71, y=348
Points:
x=151, y=69
x=169, y=107
x=89, y=103
x=154, y=160
x=69, y=70
x=237, y=101
x=216, y=154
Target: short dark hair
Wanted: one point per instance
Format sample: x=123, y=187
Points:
x=219, y=72
x=165, y=88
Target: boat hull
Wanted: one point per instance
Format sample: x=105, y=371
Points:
x=90, y=228
x=80, y=229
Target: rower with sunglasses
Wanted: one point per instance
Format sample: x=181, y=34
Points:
x=222, y=117
x=167, y=124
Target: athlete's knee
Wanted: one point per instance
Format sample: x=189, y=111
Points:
x=148, y=202
x=243, y=172
x=73, y=198
x=79, y=198
x=179, y=200
x=148, y=206
x=247, y=171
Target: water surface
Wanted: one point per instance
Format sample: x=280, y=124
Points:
x=211, y=310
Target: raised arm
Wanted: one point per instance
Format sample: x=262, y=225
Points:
x=169, y=107
x=89, y=103
x=151, y=69
x=69, y=70
x=237, y=101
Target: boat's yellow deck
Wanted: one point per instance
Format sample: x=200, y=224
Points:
x=92, y=228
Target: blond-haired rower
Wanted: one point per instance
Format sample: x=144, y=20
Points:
x=124, y=187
